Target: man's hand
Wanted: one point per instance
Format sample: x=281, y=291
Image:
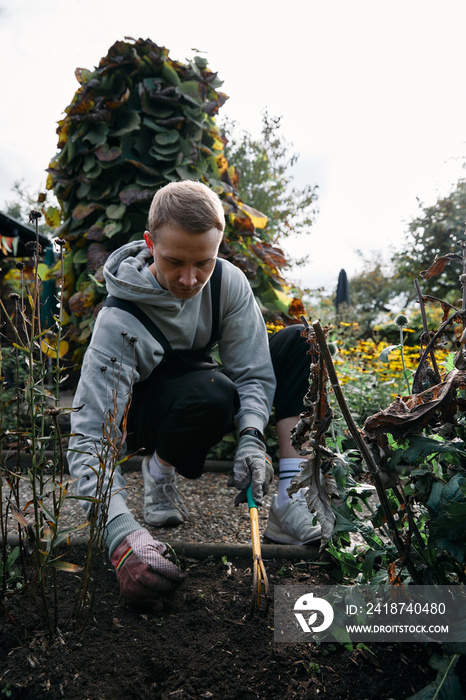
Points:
x=142, y=571
x=251, y=466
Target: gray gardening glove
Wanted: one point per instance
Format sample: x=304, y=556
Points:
x=251, y=465
x=142, y=571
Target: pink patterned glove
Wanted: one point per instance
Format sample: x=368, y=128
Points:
x=142, y=571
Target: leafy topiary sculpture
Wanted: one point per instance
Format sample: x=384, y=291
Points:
x=138, y=121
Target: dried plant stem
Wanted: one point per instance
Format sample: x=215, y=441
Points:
x=365, y=452
x=425, y=328
x=405, y=373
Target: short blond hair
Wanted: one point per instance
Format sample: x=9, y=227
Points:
x=189, y=205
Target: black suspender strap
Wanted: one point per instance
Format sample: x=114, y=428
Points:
x=132, y=308
x=136, y=311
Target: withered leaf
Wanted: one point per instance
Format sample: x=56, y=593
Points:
x=247, y=265
x=82, y=302
x=95, y=233
x=269, y=254
x=296, y=308
x=438, y=265
x=134, y=195
x=107, y=154
x=82, y=210
x=321, y=490
x=96, y=256
x=244, y=225
x=413, y=413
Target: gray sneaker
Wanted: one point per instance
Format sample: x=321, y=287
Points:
x=291, y=523
x=163, y=504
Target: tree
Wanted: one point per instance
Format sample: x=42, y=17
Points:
x=264, y=168
x=138, y=121
x=373, y=290
x=438, y=230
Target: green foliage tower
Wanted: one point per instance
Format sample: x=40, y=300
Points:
x=139, y=121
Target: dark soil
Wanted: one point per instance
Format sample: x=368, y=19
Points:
x=199, y=644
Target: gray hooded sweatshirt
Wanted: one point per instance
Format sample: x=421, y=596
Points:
x=114, y=362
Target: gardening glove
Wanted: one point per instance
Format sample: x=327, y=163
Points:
x=142, y=571
x=251, y=465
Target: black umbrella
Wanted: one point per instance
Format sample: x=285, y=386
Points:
x=343, y=295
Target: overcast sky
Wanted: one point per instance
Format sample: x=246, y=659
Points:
x=371, y=93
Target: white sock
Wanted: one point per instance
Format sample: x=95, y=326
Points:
x=159, y=472
x=288, y=467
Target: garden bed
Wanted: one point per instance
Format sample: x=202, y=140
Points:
x=198, y=644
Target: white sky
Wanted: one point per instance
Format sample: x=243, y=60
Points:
x=371, y=93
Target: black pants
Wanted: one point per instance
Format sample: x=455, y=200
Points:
x=184, y=417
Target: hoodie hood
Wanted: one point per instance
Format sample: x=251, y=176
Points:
x=123, y=272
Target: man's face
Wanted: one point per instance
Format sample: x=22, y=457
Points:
x=183, y=261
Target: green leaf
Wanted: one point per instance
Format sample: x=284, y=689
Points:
x=420, y=447
x=128, y=122
x=369, y=561
x=112, y=228
x=446, y=686
x=169, y=74
x=97, y=135
x=167, y=137
x=11, y=558
x=170, y=150
x=449, y=363
x=80, y=256
x=276, y=299
x=192, y=90
x=115, y=211
x=383, y=357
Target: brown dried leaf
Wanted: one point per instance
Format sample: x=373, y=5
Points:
x=96, y=256
x=95, y=233
x=134, y=195
x=320, y=492
x=244, y=226
x=82, y=302
x=438, y=265
x=107, y=153
x=83, y=209
x=413, y=413
x=296, y=308
x=271, y=255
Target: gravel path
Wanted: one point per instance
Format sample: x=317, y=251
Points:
x=210, y=502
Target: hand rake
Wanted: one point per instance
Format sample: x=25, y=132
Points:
x=260, y=598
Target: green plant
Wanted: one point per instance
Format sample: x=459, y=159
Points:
x=10, y=573
x=7, y=691
x=404, y=489
x=402, y=493
x=446, y=685
x=14, y=375
x=401, y=322
x=41, y=536
x=34, y=347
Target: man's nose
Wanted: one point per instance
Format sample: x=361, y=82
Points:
x=188, y=277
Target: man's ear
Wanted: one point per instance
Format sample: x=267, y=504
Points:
x=149, y=241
